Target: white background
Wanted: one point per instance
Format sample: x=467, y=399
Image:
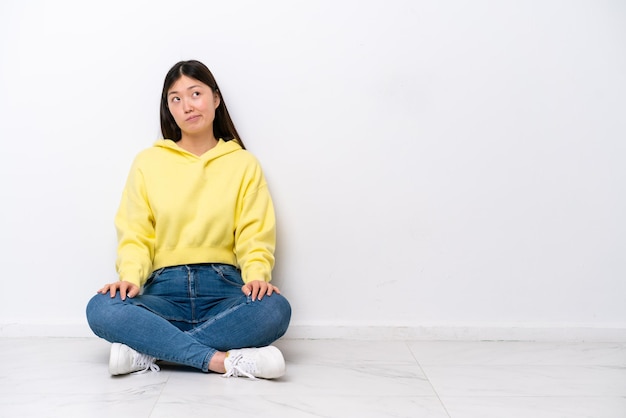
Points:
x=433, y=164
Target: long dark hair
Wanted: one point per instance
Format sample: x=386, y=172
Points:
x=223, y=126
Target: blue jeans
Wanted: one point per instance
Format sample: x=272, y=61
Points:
x=187, y=313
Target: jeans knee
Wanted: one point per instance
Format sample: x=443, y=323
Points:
x=93, y=310
x=281, y=314
x=99, y=312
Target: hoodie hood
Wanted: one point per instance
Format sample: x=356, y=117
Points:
x=222, y=148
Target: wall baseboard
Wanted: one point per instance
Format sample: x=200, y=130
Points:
x=447, y=332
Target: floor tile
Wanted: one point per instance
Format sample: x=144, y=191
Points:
x=536, y=407
x=296, y=406
x=527, y=380
x=57, y=366
x=346, y=352
x=314, y=380
x=56, y=377
x=136, y=404
x=518, y=353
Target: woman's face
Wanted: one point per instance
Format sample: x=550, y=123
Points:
x=192, y=104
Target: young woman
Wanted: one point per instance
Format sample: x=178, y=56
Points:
x=196, y=237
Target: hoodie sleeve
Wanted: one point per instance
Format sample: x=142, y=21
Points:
x=255, y=230
x=134, y=223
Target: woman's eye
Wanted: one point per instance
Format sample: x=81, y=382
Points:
x=175, y=99
x=195, y=94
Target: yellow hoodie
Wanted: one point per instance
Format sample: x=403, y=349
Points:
x=179, y=208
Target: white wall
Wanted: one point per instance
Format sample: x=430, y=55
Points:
x=435, y=165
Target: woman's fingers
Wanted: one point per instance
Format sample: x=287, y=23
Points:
x=125, y=289
x=133, y=291
x=113, y=289
x=128, y=290
x=256, y=289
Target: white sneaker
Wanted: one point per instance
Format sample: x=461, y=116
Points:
x=265, y=362
x=124, y=360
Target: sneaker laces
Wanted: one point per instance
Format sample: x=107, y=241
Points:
x=241, y=366
x=145, y=362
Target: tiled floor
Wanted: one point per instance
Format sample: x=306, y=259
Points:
x=54, y=377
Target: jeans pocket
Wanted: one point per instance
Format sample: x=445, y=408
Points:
x=153, y=277
x=228, y=273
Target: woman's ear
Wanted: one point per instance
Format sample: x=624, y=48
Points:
x=216, y=99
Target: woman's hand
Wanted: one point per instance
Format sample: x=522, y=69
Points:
x=125, y=289
x=258, y=289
